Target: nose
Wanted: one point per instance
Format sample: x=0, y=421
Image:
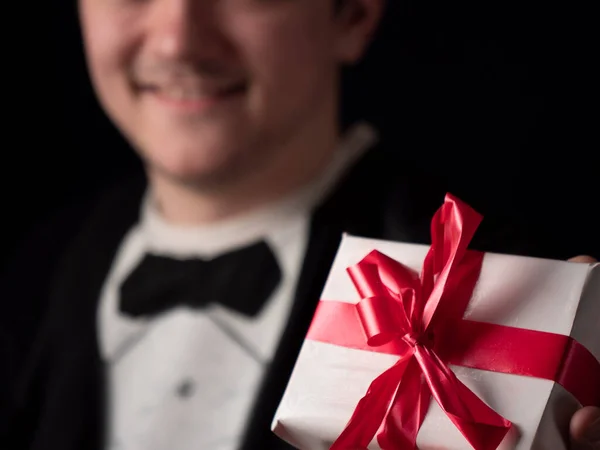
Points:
x=188, y=30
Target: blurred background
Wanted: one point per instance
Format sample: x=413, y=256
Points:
x=499, y=95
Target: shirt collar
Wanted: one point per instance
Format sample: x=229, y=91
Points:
x=269, y=223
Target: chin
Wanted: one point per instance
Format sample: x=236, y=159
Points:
x=198, y=166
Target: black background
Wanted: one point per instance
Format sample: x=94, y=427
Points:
x=501, y=95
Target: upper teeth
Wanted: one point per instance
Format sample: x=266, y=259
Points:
x=183, y=93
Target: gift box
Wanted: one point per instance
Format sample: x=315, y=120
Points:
x=443, y=347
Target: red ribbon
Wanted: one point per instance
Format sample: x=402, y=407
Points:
x=420, y=320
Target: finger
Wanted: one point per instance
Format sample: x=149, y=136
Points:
x=585, y=427
x=583, y=259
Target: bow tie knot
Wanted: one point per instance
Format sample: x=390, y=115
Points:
x=242, y=280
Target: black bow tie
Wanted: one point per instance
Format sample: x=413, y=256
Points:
x=242, y=280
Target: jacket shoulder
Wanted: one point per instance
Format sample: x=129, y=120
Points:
x=32, y=272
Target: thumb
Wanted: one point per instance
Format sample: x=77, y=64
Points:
x=585, y=428
x=583, y=259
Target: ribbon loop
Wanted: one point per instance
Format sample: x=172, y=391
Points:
x=452, y=228
x=381, y=319
x=366, y=279
x=378, y=274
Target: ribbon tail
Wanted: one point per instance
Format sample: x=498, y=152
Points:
x=483, y=428
x=407, y=412
x=371, y=409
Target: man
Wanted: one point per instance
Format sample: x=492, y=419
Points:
x=176, y=312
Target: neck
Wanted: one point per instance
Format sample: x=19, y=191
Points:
x=304, y=157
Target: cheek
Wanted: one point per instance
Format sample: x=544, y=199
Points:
x=109, y=39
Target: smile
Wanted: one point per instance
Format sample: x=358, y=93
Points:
x=194, y=100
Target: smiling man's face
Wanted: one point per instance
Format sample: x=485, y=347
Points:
x=201, y=86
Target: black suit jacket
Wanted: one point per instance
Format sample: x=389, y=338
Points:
x=56, y=394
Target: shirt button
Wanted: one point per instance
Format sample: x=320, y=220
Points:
x=185, y=388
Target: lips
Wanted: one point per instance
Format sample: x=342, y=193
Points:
x=194, y=98
x=192, y=92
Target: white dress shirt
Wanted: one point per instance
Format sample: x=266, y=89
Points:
x=186, y=379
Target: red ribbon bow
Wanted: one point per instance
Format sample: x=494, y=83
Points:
x=420, y=319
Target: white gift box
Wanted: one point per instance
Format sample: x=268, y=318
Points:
x=536, y=294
